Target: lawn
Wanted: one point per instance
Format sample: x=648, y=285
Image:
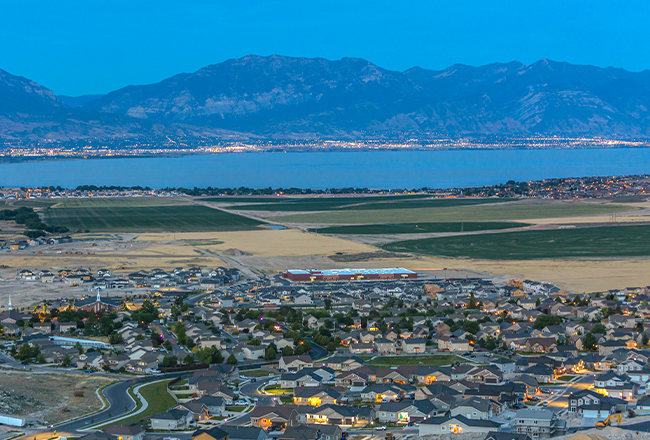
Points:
x=173, y=218
x=418, y=228
x=365, y=203
x=255, y=373
x=596, y=242
x=479, y=213
x=36, y=203
x=425, y=360
x=158, y=400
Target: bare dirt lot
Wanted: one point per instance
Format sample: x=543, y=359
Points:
x=49, y=398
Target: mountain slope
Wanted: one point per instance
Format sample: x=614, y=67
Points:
x=284, y=98
x=295, y=97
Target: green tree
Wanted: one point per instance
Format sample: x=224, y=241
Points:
x=270, y=354
x=599, y=328
x=287, y=351
x=543, y=321
x=328, y=304
x=115, y=338
x=40, y=359
x=168, y=345
x=254, y=341
x=232, y=360
x=644, y=340
x=66, y=361
x=179, y=330
x=169, y=361
x=79, y=348
x=331, y=347
x=590, y=342
x=472, y=327
x=189, y=359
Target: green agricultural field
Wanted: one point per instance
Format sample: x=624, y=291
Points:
x=424, y=360
x=245, y=199
x=365, y=203
x=111, y=202
x=172, y=218
x=418, y=228
x=480, y=213
x=596, y=242
x=36, y=203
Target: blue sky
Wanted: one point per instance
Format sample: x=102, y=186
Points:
x=82, y=47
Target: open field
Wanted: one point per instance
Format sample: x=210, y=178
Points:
x=49, y=397
x=148, y=219
x=35, y=203
x=158, y=400
x=269, y=242
x=365, y=203
x=494, y=212
x=418, y=228
x=119, y=202
x=425, y=360
x=596, y=242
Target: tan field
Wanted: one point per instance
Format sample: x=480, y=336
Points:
x=270, y=243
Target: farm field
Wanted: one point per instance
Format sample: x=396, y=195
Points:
x=418, y=228
x=365, y=203
x=500, y=212
x=594, y=242
x=111, y=202
x=148, y=219
x=428, y=361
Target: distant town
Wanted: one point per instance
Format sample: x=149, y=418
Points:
x=560, y=189
x=13, y=151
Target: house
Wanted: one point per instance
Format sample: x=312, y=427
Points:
x=473, y=408
x=125, y=432
x=455, y=425
x=414, y=346
x=385, y=346
x=485, y=375
x=344, y=363
x=295, y=363
x=587, y=403
x=215, y=433
x=311, y=432
x=215, y=405
x=405, y=411
x=539, y=423
x=507, y=366
x=506, y=436
x=197, y=410
x=278, y=417
x=362, y=348
x=172, y=419
x=338, y=415
x=540, y=345
x=316, y=396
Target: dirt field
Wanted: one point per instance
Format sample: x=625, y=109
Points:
x=49, y=398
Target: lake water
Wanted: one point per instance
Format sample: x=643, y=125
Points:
x=372, y=169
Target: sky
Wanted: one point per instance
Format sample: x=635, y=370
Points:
x=93, y=47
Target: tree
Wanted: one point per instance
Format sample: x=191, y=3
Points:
x=644, y=340
x=543, y=321
x=169, y=361
x=79, y=348
x=115, y=338
x=270, y=354
x=40, y=359
x=472, y=327
x=471, y=304
x=254, y=341
x=189, y=359
x=287, y=351
x=167, y=345
x=590, y=342
x=331, y=347
x=599, y=328
x=179, y=330
x=66, y=361
x=232, y=360
x=328, y=304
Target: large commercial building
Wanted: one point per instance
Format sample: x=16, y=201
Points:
x=391, y=273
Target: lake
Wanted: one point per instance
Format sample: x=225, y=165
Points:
x=320, y=170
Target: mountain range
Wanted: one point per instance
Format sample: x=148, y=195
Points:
x=278, y=97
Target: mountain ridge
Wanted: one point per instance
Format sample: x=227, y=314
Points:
x=279, y=97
